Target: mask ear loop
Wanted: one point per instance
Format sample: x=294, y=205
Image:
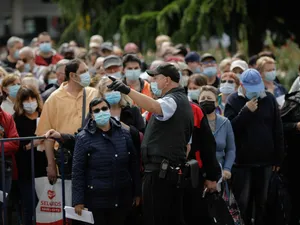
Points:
x=78, y=82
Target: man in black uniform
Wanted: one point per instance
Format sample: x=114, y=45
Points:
x=164, y=145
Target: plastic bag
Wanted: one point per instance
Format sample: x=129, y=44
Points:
x=50, y=207
x=231, y=203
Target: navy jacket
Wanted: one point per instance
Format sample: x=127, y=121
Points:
x=258, y=134
x=105, y=172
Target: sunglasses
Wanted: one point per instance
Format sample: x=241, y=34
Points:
x=104, y=108
x=228, y=81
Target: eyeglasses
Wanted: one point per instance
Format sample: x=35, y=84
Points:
x=104, y=108
x=228, y=81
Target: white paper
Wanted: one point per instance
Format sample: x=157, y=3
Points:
x=280, y=100
x=86, y=216
x=1, y=196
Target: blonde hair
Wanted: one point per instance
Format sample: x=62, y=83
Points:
x=2, y=70
x=261, y=62
x=8, y=80
x=102, y=89
x=225, y=62
x=30, y=80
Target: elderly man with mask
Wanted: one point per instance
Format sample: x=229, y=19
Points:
x=210, y=69
x=164, y=145
x=14, y=44
x=60, y=78
x=26, y=64
x=113, y=66
x=46, y=55
x=257, y=126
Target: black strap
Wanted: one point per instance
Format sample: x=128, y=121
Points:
x=83, y=107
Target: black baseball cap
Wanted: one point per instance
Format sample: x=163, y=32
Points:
x=167, y=70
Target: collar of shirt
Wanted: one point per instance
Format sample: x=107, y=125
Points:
x=64, y=93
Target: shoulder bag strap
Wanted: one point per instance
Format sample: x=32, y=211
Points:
x=83, y=107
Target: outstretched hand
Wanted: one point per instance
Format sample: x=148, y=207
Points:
x=118, y=85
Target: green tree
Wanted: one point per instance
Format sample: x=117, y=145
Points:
x=141, y=21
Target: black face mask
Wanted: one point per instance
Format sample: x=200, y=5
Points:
x=1, y=99
x=208, y=106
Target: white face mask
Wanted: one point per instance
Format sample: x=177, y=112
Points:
x=227, y=88
x=30, y=107
x=184, y=80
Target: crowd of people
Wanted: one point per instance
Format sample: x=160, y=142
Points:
x=148, y=141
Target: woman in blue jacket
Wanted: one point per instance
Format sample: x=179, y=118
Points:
x=221, y=129
x=105, y=172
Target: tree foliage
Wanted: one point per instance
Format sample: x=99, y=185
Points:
x=141, y=21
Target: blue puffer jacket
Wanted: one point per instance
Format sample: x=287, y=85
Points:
x=105, y=171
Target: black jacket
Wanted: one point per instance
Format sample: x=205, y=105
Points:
x=290, y=114
x=45, y=95
x=258, y=134
x=203, y=147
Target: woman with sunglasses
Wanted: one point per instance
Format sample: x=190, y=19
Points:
x=105, y=175
x=229, y=84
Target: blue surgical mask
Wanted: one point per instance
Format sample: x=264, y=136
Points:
x=194, y=94
x=102, y=118
x=133, y=74
x=85, y=79
x=238, y=75
x=198, y=70
x=270, y=76
x=227, y=88
x=45, y=47
x=210, y=71
x=13, y=90
x=27, y=67
x=113, y=97
x=251, y=95
x=16, y=54
x=156, y=91
x=116, y=75
x=30, y=107
x=52, y=81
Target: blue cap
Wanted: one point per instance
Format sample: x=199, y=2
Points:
x=192, y=57
x=252, y=81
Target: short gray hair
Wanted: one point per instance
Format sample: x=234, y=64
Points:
x=61, y=63
x=13, y=40
x=27, y=50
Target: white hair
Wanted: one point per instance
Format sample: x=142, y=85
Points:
x=27, y=50
x=13, y=40
x=61, y=63
x=96, y=38
x=31, y=81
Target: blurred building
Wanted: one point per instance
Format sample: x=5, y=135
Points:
x=27, y=18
